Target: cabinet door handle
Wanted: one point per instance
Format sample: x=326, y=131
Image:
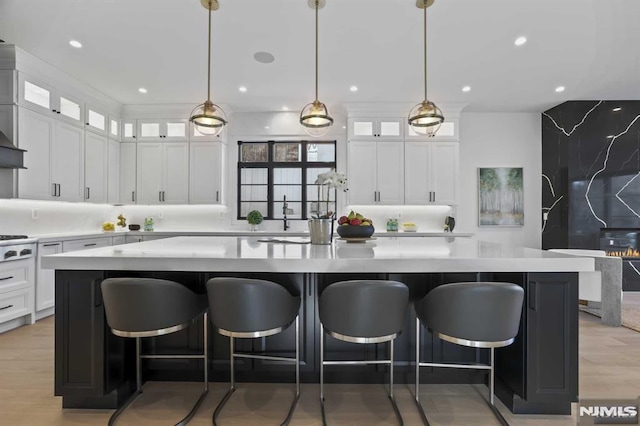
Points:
x=160, y=196
x=91, y=244
x=133, y=196
x=86, y=193
x=59, y=189
x=5, y=278
x=434, y=196
x=6, y=307
x=53, y=189
x=217, y=196
x=163, y=200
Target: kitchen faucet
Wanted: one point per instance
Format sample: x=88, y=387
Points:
x=285, y=207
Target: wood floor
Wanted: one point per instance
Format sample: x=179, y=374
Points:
x=609, y=368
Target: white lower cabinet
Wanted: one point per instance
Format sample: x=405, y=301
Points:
x=207, y=172
x=16, y=292
x=45, y=278
x=96, y=150
x=85, y=244
x=376, y=173
x=162, y=173
x=133, y=239
x=431, y=173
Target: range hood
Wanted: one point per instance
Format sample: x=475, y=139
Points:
x=10, y=156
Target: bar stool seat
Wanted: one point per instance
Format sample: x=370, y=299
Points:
x=250, y=308
x=472, y=314
x=362, y=311
x=147, y=307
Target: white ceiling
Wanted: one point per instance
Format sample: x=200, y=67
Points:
x=589, y=46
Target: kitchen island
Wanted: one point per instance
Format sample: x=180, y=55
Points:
x=538, y=373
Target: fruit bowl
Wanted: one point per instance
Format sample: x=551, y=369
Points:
x=350, y=231
x=409, y=227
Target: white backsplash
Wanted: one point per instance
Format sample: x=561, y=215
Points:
x=51, y=217
x=426, y=218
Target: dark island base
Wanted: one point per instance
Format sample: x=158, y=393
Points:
x=537, y=374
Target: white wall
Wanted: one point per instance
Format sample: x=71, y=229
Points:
x=501, y=140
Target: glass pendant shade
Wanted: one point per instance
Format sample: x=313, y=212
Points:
x=208, y=118
x=316, y=119
x=426, y=118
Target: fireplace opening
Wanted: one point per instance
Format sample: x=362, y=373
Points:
x=620, y=242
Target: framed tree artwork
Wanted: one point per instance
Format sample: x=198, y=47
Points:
x=500, y=196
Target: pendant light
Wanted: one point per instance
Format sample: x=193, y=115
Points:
x=314, y=116
x=208, y=117
x=425, y=118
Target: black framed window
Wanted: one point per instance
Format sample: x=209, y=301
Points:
x=269, y=171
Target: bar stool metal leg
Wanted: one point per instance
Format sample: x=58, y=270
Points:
x=205, y=391
x=232, y=387
x=322, y=337
x=138, y=391
x=417, y=395
x=495, y=410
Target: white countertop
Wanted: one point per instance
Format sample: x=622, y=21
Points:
x=46, y=238
x=247, y=254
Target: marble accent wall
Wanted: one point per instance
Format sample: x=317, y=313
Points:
x=590, y=172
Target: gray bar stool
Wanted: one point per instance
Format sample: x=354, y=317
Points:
x=147, y=307
x=362, y=311
x=243, y=308
x=473, y=314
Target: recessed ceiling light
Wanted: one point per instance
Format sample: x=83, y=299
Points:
x=616, y=109
x=242, y=89
x=560, y=89
x=466, y=89
x=76, y=44
x=344, y=127
x=266, y=127
x=142, y=90
x=264, y=57
x=520, y=41
x=353, y=88
x=284, y=108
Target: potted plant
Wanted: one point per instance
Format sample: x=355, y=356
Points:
x=254, y=218
x=321, y=224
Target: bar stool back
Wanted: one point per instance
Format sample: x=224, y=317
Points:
x=473, y=314
x=147, y=307
x=250, y=308
x=362, y=311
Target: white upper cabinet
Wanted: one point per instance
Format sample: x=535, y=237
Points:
x=431, y=173
x=162, y=173
x=39, y=96
x=113, y=174
x=161, y=130
x=376, y=128
x=54, y=161
x=128, y=130
x=128, y=173
x=96, y=150
x=376, y=173
x=96, y=120
x=207, y=172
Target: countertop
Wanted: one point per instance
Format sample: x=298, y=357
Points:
x=46, y=238
x=381, y=255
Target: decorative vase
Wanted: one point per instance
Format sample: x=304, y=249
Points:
x=253, y=227
x=321, y=231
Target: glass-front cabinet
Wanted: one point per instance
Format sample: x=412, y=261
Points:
x=376, y=128
x=162, y=130
x=39, y=96
x=96, y=120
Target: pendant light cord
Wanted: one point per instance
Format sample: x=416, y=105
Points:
x=209, y=58
x=317, y=50
x=425, y=54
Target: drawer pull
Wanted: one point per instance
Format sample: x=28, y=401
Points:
x=5, y=278
x=25, y=252
x=89, y=245
x=51, y=245
x=6, y=307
